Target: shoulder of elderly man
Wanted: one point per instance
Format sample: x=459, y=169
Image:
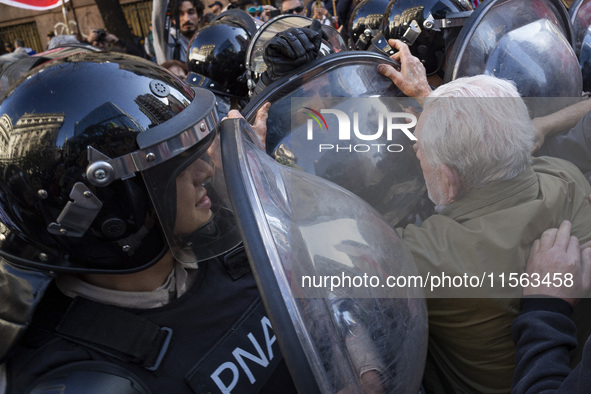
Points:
x=548, y=178
x=489, y=229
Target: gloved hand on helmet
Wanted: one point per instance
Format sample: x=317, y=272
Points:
x=290, y=50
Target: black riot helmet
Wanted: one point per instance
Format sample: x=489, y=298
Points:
x=107, y=161
x=216, y=56
x=428, y=27
x=366, y=22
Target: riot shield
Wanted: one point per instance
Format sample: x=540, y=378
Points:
x=255, y=65
x=383, y=171
x=322, y=258
x=580, y=14
x=526, y=41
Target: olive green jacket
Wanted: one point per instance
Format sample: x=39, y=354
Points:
x=488, y=233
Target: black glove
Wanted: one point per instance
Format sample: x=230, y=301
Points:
x=291, y=49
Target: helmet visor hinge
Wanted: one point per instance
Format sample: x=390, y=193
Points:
x=77, y=215
x=411, y=34
x=452, y=19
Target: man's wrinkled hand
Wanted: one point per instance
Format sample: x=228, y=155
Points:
x=411, y=79
x=557, y=252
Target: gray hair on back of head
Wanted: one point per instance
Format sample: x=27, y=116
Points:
x=478, y=126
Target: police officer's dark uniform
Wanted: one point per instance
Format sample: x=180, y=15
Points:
x=91, y=148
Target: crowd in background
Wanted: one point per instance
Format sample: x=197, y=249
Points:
x=144, y=46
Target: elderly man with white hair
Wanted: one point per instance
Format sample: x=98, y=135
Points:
x=492, y=201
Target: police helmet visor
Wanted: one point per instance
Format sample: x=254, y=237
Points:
x=530, y=46
x=580, y=14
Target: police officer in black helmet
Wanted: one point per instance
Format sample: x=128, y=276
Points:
x=216, y=58
x=121, y=264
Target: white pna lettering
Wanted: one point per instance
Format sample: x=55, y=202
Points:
x=239, y=355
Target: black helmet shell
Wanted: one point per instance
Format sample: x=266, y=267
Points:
x=48, y=119
x=405, y=18
x=366, y=21
x=218, y=53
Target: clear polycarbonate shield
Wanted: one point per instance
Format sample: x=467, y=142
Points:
x=526, y=41
x=580, y=14
x=255, y=64
x=382, y=169
x=322, y=257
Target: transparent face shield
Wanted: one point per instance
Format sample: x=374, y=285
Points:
x=183, y=174
x=526, y=41
x=581, y=20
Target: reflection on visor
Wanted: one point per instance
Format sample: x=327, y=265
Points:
x=254, y=55
x=526, y=41
x=581, y=20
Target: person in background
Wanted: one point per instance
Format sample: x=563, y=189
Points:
x=320, y=12
x=207, y=18
x=136, y=47
x=253, y=8
x=344, y=10
x=149, y=44
x=328, y=5
x=19, y=44
x=49, y=36
x=216, y=7
x=18, y=53
x=293, y=7
x=189, y=13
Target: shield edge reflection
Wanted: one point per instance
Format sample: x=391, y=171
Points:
x=473, y=23
x=253, y=227
x=312, y=70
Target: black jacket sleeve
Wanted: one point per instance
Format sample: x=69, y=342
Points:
x=544, y=335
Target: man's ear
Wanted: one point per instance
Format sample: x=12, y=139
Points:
x=451, y=182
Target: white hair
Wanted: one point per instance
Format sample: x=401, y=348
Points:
x=478, y=126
